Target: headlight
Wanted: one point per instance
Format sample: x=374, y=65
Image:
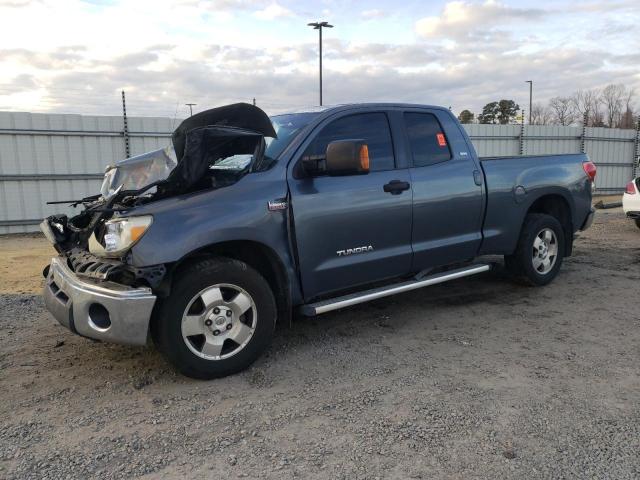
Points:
x=121, y=234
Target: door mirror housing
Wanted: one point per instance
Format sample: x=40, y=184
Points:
x=347, y=157
x=343, y=157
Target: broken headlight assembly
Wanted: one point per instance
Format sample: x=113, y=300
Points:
x=120, y=234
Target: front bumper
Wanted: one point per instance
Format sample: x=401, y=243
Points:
x=98, y=309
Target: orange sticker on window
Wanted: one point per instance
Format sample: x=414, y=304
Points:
x=441, y=140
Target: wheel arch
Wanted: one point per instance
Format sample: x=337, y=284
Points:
x=556, y=205
x=257, y=255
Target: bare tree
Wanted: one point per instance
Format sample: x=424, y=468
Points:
x=563, y=110
x=626, y=120
x=541, y=114
x=587, y=105
x=613, y=97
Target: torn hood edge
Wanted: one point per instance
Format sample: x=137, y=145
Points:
x=239, y=115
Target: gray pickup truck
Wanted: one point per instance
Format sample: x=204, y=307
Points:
x=245, y=220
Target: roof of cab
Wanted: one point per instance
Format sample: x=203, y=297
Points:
x=353, y=106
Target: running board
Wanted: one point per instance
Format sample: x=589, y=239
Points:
x=324, y=306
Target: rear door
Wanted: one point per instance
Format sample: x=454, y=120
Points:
x=448, y=199
x=350, y=231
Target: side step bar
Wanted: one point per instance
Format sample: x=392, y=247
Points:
x=324, y=306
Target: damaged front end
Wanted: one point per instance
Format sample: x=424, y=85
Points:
x=210, y=150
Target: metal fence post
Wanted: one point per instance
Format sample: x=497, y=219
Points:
x=635, y=167
x=522, y=134
x=125, y=131
x=583, y=134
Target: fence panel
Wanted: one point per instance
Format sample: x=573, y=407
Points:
x=611, y=150
x=549, y=140
x=53, y=157
x=494, y=140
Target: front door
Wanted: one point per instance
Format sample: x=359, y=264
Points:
x=350, y=231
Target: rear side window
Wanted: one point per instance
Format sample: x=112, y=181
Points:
x=427, y=140
x=373, y=128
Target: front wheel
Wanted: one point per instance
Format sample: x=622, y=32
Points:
x=219, y=317
x=540, y=250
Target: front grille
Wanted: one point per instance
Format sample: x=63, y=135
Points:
x=86, y=264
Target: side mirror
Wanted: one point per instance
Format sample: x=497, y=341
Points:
x=347, y=157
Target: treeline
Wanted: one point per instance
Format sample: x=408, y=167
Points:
x=613, y=106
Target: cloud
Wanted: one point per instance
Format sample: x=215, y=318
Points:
x=285, y=78
x=15, y=3
x=461, y=19
x=373, y=13
x=222, y=5
x=186, y=51
x=272, y=12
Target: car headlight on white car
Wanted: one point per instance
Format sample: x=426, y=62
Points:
x=120, y=234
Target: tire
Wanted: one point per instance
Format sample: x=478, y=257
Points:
x=529, y=262
x=637, y=220
x=218, y=319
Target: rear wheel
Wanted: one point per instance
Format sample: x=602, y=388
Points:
x=219, y=318
x=637, y=220
x=540, y=249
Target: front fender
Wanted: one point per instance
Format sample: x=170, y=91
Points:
x=187, y=223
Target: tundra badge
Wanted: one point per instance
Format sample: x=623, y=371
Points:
x=351, y=251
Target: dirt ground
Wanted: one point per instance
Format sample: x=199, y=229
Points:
x=22, y=258
x=478, y=378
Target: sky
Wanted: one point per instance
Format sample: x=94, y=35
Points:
x=73, y=56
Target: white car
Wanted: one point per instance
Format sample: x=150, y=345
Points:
x=631, y=200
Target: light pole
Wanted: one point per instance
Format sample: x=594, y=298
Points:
x=530, y=82
x=318, y=26
x=191, y=105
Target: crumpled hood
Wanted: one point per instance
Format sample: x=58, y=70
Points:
x=198, y=143
x=238, y=115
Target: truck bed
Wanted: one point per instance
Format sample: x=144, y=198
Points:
x=518, y=181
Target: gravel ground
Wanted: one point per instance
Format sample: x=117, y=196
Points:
x=478, y=378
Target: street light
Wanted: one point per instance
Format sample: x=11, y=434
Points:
x=318, y=26
x=530, y=82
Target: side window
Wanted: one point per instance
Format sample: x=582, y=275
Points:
x=427, y=139
x=373, y=128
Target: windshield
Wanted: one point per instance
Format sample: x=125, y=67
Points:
x=287, y=127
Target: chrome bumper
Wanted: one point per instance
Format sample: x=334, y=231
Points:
x=96, y=309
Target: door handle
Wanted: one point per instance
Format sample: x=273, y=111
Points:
x=477, y=177
x=396, y=187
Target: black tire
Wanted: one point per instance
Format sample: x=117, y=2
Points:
x=520, y=263
x=189, y=282
x=637, y=220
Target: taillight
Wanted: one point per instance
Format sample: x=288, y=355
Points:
x=590, y=170
x=631, y=188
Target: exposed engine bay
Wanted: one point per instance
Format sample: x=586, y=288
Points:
x=210, y=150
